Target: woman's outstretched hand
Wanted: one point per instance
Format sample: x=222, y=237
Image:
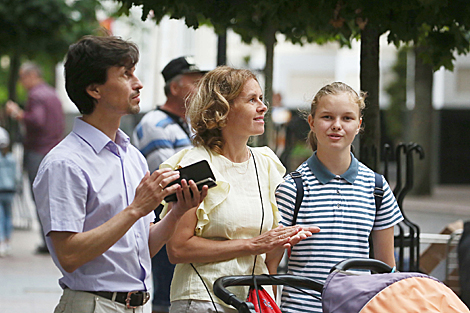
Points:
x=281, y=237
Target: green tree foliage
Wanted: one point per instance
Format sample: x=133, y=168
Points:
x=299, y=20
x=41, y=30
x=439, y=25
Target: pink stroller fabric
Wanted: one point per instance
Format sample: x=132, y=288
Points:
x=345, y=292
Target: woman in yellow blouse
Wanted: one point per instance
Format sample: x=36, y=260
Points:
x=238, y=219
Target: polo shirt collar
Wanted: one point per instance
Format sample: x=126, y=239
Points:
x=324, y=175
x=96, y=138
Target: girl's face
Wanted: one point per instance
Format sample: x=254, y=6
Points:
x=246, y=116
x=336, y=122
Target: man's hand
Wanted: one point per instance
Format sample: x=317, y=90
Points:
x=185, y=200
x=13, y=110
x=151, y=190
x=162, y=231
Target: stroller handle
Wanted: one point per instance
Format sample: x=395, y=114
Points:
x=247, y=280
x=373, y=265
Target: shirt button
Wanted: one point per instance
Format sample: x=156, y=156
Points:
x=337, y=191
x=338, y=205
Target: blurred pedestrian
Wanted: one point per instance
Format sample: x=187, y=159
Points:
x=94, y=193
x=159, y=135
x=8, y=183
x=43, y=119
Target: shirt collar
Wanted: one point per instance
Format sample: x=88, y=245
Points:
x=96, y=138
x=324, y=175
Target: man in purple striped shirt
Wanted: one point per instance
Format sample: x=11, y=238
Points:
x=43, y=119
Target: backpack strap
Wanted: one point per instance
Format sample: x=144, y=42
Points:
x=378, y=196
x=297, y=177
x=378, y=191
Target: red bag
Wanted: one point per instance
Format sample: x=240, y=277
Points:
x=268, y=305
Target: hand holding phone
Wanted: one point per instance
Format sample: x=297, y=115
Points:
x=200, y=172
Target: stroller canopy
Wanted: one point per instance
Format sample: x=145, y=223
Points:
x=394, y=292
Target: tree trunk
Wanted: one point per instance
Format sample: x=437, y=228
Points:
x=222, y=48
x=10, y=124
x=269, y=42
x=15, y=63
x=422, y=126
x=369, y=76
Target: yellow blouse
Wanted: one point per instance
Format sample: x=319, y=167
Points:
x=231, y=210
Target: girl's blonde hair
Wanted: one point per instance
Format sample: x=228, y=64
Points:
x=209, y=107
x=335, y=88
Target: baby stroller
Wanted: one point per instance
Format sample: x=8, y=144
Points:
x=347, y=292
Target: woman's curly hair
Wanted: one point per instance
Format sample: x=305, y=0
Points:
x=208, y=109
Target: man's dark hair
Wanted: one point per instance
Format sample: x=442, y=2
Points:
x=87, y=62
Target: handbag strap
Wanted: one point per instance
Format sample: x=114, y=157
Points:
x=260, y=230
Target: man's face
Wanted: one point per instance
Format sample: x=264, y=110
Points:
x=120, y=93
x=187, y=85
x=27, y=78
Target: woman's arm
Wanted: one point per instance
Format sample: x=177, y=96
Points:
x=185, y=247
x=383, y=241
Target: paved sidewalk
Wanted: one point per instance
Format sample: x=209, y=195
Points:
x=433, y=213
x=29, y=281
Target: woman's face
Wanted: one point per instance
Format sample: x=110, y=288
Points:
x=336, y=122
x=246, y=116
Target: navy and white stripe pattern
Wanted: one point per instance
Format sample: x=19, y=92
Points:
x=159, y=137
x=344, y=209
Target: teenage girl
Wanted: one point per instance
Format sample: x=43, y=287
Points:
x=338, y=197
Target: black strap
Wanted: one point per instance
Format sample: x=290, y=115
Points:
x=378, y=196
x=297, y=177
x=260, y=230
x=378, y=191
x=178, y=120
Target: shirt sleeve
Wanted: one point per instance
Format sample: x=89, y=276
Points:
x=61, y=199
x=35, y=113
x=389, y=214
x=275, y=172
x=285, y=199
x=154, y=143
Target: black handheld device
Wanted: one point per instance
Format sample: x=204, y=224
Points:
x=200, y=172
